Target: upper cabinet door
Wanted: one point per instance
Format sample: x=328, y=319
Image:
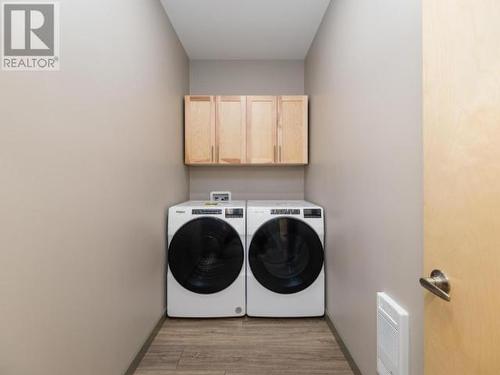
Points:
x=231, y=129
x=292, y=130
x=261, y=129
x=199, y=129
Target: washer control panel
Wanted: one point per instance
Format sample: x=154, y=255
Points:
x=232, y=213
x=207, y=211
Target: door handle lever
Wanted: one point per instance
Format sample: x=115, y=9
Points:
x=437, y=284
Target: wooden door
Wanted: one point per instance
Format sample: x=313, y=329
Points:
x=292, y=130
x=261, y=129
x=199, y=129
x=231, y=129
x=461, y=50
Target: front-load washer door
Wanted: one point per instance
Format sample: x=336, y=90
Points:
x=206, y=255
x=285, y=255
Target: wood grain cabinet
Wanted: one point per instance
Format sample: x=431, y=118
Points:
x=199, y=130
x=246, y=130
x=292, y=130
x=261, y=130
x=230, y=127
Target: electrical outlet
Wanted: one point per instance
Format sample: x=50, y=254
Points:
x=220, y=196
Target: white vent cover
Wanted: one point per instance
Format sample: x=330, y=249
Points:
x=392, y=337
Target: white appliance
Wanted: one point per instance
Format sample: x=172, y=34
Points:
x=393, y=337
x=206, y=259
x=285, y=259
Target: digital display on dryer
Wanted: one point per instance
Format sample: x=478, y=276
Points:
x=234, y=213
x=312, y=213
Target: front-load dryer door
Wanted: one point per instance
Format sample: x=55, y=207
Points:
x=285, y=255
x=206, y=255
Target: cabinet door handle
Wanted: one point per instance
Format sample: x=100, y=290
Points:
x=280, y=154
x=275, y=154
x=212, y=155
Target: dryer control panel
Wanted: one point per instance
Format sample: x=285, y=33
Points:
x=312, y=213
x=285, y=211
x=309, y=213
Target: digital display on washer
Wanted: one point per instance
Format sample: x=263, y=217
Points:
x=312, y=213
x=285, y=211
x=234, y=212
x=207, y=211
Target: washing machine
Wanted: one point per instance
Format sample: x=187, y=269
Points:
x=206, y=259
x=285, y=259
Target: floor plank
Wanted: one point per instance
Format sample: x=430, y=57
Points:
x=244, y=346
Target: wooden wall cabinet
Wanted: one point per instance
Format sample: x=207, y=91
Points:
x=261, y=130
x=246, y=130
x=292, y=130
x=230, y=140
x=199, y=130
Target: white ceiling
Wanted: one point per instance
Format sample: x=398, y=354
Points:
x=246, y=29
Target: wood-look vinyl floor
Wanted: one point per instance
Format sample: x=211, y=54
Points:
x=245, y=346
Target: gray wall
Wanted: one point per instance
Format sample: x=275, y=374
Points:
x=90, y=157
x=248, y=182
x=363, y=75
x=242, y=77
x=246, y=77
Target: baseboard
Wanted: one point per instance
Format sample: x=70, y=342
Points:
x=354, y=367
x=140, y=355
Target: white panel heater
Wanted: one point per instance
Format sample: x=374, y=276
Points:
x=392, y=337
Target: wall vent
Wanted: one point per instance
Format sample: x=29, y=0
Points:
x=392, y=337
